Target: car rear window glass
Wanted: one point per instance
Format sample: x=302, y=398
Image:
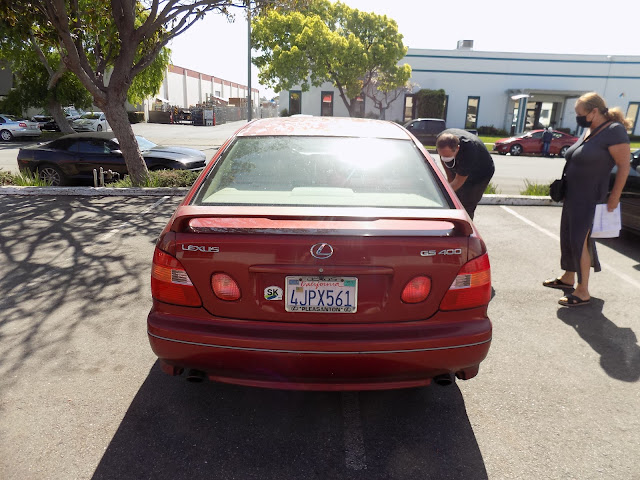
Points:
x=322, y=171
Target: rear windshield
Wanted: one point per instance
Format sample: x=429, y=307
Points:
x=322, y=171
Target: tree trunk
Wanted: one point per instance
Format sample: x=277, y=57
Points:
x=56, y=111
x=119, y=122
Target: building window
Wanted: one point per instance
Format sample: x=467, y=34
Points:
x=359, y=111
x=408, y=107
x=295, y=102
x=632, y=116
x=326, y=105
x=472, y=113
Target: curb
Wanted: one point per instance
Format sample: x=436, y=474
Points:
x=488, y=199
x=93, y=191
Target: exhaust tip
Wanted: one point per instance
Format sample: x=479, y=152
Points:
x=444, y=380
x=195, y=376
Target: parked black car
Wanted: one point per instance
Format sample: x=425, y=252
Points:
x=46, y=122
x=75, y=156
x=630, y=198
x=426, y=129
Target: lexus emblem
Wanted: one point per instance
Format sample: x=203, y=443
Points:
x=322, y=250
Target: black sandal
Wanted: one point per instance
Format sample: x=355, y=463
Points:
x=556, y=283
x=573, y=301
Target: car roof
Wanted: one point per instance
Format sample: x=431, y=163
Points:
x=101, y=135
x=310, y=126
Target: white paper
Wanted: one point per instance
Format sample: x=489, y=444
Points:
x=606, y=224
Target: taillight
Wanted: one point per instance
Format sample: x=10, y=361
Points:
x=471, y=287
x=225, y=287
x=416, y=290
x=170, y=282
x=22, y=124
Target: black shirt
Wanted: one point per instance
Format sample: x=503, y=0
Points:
x=473, y=159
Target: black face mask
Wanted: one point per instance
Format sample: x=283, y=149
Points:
x=581, y=120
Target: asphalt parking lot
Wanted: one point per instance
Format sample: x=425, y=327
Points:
x=81, y=394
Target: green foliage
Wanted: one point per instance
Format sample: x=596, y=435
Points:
x=491, y=131
x=23, y=179
x=535, y=189
x=284, y=112
x=135, y=117
x=491, y=189
x=430, y=103
x=328, y=42
x=162, y=178
x=148, y=82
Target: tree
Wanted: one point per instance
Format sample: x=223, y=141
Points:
x=328, y=42
x=383, y=91
x=108, y=43
x=42, y=80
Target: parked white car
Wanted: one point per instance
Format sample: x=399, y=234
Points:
x=91, y=122
x=11, y=127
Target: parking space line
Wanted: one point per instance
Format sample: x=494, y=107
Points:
x=355, y=457
x=604, y=265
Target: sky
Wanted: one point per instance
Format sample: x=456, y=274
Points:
x=604, y=27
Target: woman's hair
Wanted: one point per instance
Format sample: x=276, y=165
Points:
x=447, y=140
x=592, y=100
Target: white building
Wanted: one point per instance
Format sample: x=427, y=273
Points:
x=498, y=88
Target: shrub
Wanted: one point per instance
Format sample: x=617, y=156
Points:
x=535, y=189
x=491, y=131
x=284, y=112
x=430, y=103
x=6, y=178
x=135, y=117
x=491, y=189
x=162, y=178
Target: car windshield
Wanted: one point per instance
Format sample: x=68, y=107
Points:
x=145, y=144
x=322, y=171
x=92, y=116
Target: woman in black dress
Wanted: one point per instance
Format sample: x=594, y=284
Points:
x=605, y=143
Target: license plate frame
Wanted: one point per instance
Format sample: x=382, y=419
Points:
x=315, y=294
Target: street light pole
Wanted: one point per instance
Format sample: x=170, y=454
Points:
x=249, y=116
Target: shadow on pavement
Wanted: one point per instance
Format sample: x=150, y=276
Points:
x=61, y=264
x=626, y=244
x=618, y=347
x=179, y=430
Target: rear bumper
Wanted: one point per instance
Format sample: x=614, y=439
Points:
x=322, y=356
x=26, y=132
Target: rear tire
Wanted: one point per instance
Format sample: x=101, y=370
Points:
x=99, y=128
x=516, y=150
x=6, y=135
x=563, y=151
x=53, y=175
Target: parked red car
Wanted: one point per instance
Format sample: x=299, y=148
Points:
x=321, y=253
x=531, y=142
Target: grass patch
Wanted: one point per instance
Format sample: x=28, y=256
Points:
x=535, y=189
x=162, y=178
x=23, y=179
x=491, y=189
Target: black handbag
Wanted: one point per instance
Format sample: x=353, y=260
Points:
x=558, y=188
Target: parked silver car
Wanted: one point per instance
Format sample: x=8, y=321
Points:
x=11, y=127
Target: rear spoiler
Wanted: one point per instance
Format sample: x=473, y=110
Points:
x=328, y=221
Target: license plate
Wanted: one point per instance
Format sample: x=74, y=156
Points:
x=321, y=294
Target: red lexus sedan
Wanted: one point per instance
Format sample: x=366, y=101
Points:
x=531, y=142
x=321, y=253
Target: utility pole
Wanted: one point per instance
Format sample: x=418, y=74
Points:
x=249, y=116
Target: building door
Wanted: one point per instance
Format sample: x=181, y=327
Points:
x=326, y=107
